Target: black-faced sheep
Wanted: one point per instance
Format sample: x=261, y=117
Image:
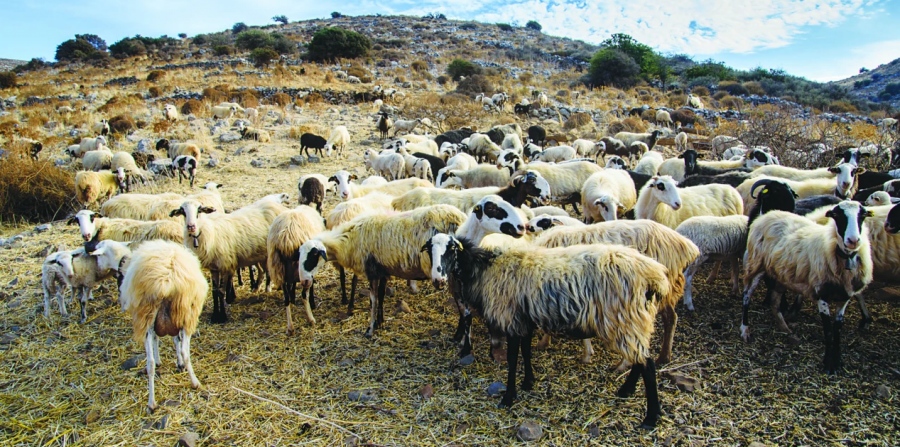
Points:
x=312, y=141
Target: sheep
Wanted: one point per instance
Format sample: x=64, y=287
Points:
x=185, y=166
x=170, y=112
x=259, y=135
x=134, y=206
x=94, y=228
x=384, y=124
x=613, y=146
x=448, y=150
x=435, y=164
x=891, y=187
x=843, y=185
x=661, y=201
x=226, y=242
x=651, y=239
x=542, y=100
x=377, y=104
x=789, y=173
x=510, y=289
x=313, y=188
x=734, y=152
x=90, y=144
x=607, y=195
x=478, y=176
x=681, y=142
x=91, y=186
x=378, y=246
x=522, y=109
x=556, y=154
x=649, y=163
x=85, y=275
x=881, y=198
x=481, y=146
x=486, y=102
x=663, y=118
x=587, y=148
x=223, y=112
x=694, y=101
x=565, y=180
x=720, y=238
x=97, y=160
x=312, y=141
x=101, y=128
x=353, y=80
x=252, y=114
x=175, y=149
x=126, y=169
x=164, y=290
x=406, y=126
x=57, y=267
x=543, y=222
x=339, y=139
x=347, y=190
x=461, y=161
x=647, y=138
x=616, y=162
x=687, y=164
x=389, y=165
x=500, y=99
x=828, y=263
x=288, y=232
x=528, y=184
x=512, y=141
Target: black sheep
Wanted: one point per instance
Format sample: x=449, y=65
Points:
x=537, y=135
x=452, y=136
x=436, y=162
x=312, y=191
x=312, y=141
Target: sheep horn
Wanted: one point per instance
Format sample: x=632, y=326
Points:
x=762, y=182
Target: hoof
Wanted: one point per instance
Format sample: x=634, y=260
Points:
x=498, y=355
x=624, y=392
x=662, y=360
x=368, y=334
x=527, y=386
x=218, y=319
x=864, y=324
x=505, y=403
x=151, y=408
x=649, y=424
x=290, y=332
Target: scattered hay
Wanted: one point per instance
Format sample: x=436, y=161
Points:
x=36, y=191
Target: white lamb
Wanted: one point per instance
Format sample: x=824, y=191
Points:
x=720, y=238
x=556, y=154
x=607, y=195
x=390, y=165
x=170, y=112
x=339, y=139
x=649, y=163
x=55, y=270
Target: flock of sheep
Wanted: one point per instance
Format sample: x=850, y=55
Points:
x=483, y=214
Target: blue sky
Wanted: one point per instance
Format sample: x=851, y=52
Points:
x=821, y=40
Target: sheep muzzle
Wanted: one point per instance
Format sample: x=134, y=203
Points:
x=438, y=283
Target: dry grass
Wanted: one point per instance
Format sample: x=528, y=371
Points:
x=34, y=191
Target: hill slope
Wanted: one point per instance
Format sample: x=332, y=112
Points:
x=870, y=85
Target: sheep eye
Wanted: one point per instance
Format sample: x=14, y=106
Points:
x=660, y=186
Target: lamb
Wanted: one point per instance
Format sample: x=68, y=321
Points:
x=390, y=165
x=288, y=232
x=223, y=112
x=481, y=146
x=95, y=227
x=97, y=160
x=55, y=270
x=185, y=166
x=434, y=164
x=694, y=101
x=313, y=188
x=827, y=263
x=339, y=138
x=85, y=275
x=101, y=128
x=891, y=187
x=486, y=102
x=607, y=195
x=681, y=142
x=406, y=126
x=448, y=150
x=881, y=198
x=91, y=186
x=661, y=201
x=90, y=144
x=312, y=141
x=461, y=161
x=384, y=124
x=378, y=246
x=170, y=112
x=164, y=290
x=613, y=146
x=647, y=138
x=475, y=177
x=347, y=190
x=252, y=133
x=528, y=184
x=556, y=154
x=509, y=288
x=227, y=242
x=175, y=149
x=377, y=104
x=587, y=148
x=543, y=222
x=134, y=206
x=663, y=118
x=126, y=169
x=649, y=163
x=720, y=238
x=353, y=80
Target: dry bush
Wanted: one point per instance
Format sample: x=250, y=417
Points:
x=283, y=99
x=633, y=124
x=35, y=191
x=475, y=84
x=732, y=102
x=161, y=126
x=754, y=88
x=700, y=91
x=121, y=124
x=841, y=107
x=525, y=77
x=192, y=107
x=449, y=111
x=314, y=98
x=615, y=127
x=214, y=95
x=719, y=95
x=359, y=72
x=578, y=119
x=419, y=65
x=155, y=92
x=677, y=100
x=329, y=78
x=119, y=103
x=247, y=98
x=648, y=115
x=683, y=116
x=155, y=75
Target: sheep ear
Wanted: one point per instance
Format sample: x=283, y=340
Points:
x=177, y=212
x=681, y=155
x=206, y=209
x=829, y=213
x=219, y=185
x=72, y=220
x=477, y=211
x=834, y=170
x=333, y=179
x=427, y=247
x=515, y=180
x=859, y=171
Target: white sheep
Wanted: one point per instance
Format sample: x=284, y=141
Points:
x=720, y=143
x=543, y=222
x=663, y=118
x=175, y=149
x=512, y=142
x=406, y=126
x=662, y=201
x=648, y=138
x=170, y=112
x=101, y=127
x=223, y=112
x=135, y=206
x=288, y=232
x=186, y=167
x=586, y=148
x=720, y=238
x=649, y=163
x=227, y=242
x=843, y=185
x=90, y=144
x=164, y=290
x=508, y=288
x=56, y=268
x=379, y=246
x=607, y=195
x=478, y=176
x=486, y=102
x=681, y=142
x=389, y=165
x=694, y=101
x=422, y=170
x=565, y=179
x=829, y=263
x=481, y=146
x=94, y=227
x=448, y=150
x=353, y=80
x=556, y=154
x=252, y=114
x=97, y=160
x=377, y=105
x=347, y=190
x=881, y=198
x=461, y=161
x=528, y=184
x=86, y=274
x=127, y=170
x=616, y=162
x=90, y=187
x=339, y=139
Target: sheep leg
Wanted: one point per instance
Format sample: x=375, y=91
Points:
x=688, y=281
x=240, y=279
x=750, y=285
x=151, y=369
x=353, y=283
x=373, y=302
x=289, y=291
x=254, y=280
x=307, y=297
x=85, y=292
x=461, y=324
x=343, y=278
x=46, y=303
x=648, y=372
x=466, y=339
x=627, y=388
x=735, y=276
x=866, y=317
x=512, y=360
x=218, y=316
x=670, y=320
x=496, y=349
x=155, y=350
x=413, y=286
x=714, y=273
x=777, y=291
x=186, y=349
x=230, y=295
x=382, y=290
x=528, y=383
x=825, y=314
x=61, y=301
x=587, y=351
x=179, y=355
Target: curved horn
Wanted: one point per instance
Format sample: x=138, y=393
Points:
x=763, y=182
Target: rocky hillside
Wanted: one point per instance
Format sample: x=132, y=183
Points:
x=9, y=64
x=873, y=85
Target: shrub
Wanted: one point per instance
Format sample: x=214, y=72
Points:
x=35, y=191
x=719, y=95
x=525, y=77
x=252, y=39
x=282, y=99
x=700, y=91
x=336, y=15
x=842, y=107
x=613, y=68
x=155, y=92
x=121, y=124
x=469, y=26
x=442, y=79
x=239, y=27
x=578, y=119
x=732, y=88
x=474, y=85
x=504, y=26
x=213, y=95
x=282, y=19
x=282, y=44
x=462, y=67
x=80, y=48
x=332, y=43
x=127, y=48
x=633, y=124
x=247, y=99
x=155, y=75
x=8, y=79
x=419, y=66
x=533, y=25
x=754, y=88
x=732, y=102
x=262, y=57
x=223, y=50
x=191, y=107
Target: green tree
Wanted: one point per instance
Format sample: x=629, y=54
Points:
x=262, y=57
x=614, y=68
x=239, y=27
x=282, y=19
x=75, y=49
x=709, y=68
x=462, y=67
x=333, y=43
x=253, y=39
x=182, y=35
x=128, y=47
x=336, y=15
x=532, y=24
x=94, y=40
x=642, y=54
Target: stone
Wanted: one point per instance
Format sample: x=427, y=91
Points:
x=314, y=159
x=495, y=389
x=298, y=160
x=43, y=228
x=467, y=360
x=212, y=162
x=143, y=146
x=529, y=431
x=8, y=339
x=229, y=137
x=883, y=391
x=362, y=396
x=162, y=423
x=14, y=282
x=188, y=439
x=257, y=163
x=426, y=391
x=239, y=151
x=131, y=363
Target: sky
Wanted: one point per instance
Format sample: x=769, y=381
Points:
x=821, y=40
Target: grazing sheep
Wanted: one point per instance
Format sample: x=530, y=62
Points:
x=379, y=246
x=377, y=104
x=57, y=267
x=537, y=135
x=339, y=138
x=97, y=160
x=616, y=162
x=252, y=114
x=96, y=228
x=185, y=166
x=164, y=290
x=587, y=148
x=175, y=149
x=556, y=154
x=384, y=124
x=795, y=174
x=511, y=288
x=90, y=187
x=613, y=146
x=607, y=195
x=661, y=201
x=89, y=144
x=312, y=141
x=565, y=179
x=127, y=170
x=170, y=112
x=101, y=128
x=649, y=163
x=694, y=101
x=482, y=148
x=478, y=176
x=223, y=112
x=406, y=126
x=389, y=165
x=134, y=206
x=259, y=135
x=827, y=263
x=347, y=190
x=288, y=232
x=226, y=242
x=663, y=118
x=647, y=138
x=720, y=238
